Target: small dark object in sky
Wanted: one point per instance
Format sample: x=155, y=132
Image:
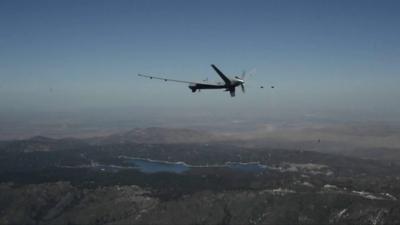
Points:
x=261, y=86
x=272, y=86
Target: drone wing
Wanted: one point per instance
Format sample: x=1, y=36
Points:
x=166, y=79
x=222, y=75
x=191, y=83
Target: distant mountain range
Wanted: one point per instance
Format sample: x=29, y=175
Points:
x=159, y=135
x=313, y=139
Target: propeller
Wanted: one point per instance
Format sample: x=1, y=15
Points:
x=243, y=74
x=242, y=77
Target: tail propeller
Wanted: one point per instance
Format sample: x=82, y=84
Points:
x=244, y=76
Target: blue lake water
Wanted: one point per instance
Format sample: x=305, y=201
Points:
x=150, y=166
x=246, y=167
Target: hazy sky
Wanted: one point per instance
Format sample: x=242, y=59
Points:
x=326, y=58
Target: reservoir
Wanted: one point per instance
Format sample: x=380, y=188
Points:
x=151, y=166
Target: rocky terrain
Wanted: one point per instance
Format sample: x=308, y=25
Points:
x=62, y=203
x=93, y=181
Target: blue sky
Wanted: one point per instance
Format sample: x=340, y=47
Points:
x=332, y=58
